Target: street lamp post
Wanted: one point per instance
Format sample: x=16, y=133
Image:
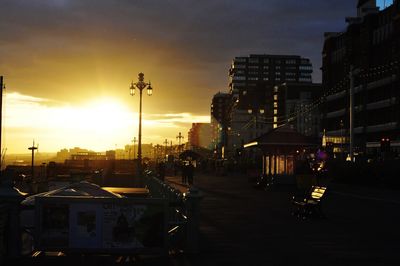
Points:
x=166, y=143
x=140, y=85
x=134, y=148
x=179, y=138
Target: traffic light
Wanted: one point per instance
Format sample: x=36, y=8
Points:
x=385, y=145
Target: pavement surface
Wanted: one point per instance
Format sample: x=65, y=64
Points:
x=241, y=225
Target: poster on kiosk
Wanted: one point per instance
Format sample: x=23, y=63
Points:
x=120, y=225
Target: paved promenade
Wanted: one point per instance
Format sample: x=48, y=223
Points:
x=244, y=226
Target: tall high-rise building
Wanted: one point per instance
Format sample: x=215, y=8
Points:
x=364, y=57
x=255, y=106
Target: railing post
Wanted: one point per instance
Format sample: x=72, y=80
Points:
x=192, y=202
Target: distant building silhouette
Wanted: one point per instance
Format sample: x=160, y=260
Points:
x=200, y=135
x=257, y=106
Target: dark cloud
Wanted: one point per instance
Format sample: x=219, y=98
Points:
x=190, y=43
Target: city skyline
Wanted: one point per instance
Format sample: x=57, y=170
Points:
x=65, y=63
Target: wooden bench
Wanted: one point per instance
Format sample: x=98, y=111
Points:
x=310, y=203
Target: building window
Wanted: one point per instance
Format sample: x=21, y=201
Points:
x=290, y=61
x=253, y=78
x=253, y=60
x=266, y=60
x=239, y=60
x=265, y=78
x=275, y=125
x=239, y=66
x=275, y=105
x=275, y=111
x=239, y=78
x=275, y=97
x=253, y=67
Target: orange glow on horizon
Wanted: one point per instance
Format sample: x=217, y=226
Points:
x=100, y=124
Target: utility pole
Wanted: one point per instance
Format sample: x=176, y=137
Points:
x=134, y=148
x=353, y=72
x=33, y=148
x=179, y=138
x=166, y=143
x=1, y=120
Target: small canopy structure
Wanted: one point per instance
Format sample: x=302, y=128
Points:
x=81, y=189
x=281, y=148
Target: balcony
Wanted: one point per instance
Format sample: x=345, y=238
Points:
x=340, y=112
x=381, y=104
x=381, y=82
x=335, y=96
x=382, y=127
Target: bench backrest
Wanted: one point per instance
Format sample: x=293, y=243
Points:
x=317, y=192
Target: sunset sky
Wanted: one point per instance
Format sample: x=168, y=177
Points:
x=68, y=64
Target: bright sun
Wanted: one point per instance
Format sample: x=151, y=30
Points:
x=100, y=124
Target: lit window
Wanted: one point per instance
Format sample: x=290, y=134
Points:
x=239, y=66
x=275, y=97
x=275, y=125
x=275, y=119
x=275, y=111
x=240, y=59
x=275, y=105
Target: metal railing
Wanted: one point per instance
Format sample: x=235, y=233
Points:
x=183, y=213
x=3, y=224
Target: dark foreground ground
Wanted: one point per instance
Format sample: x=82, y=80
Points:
x=244, y=226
